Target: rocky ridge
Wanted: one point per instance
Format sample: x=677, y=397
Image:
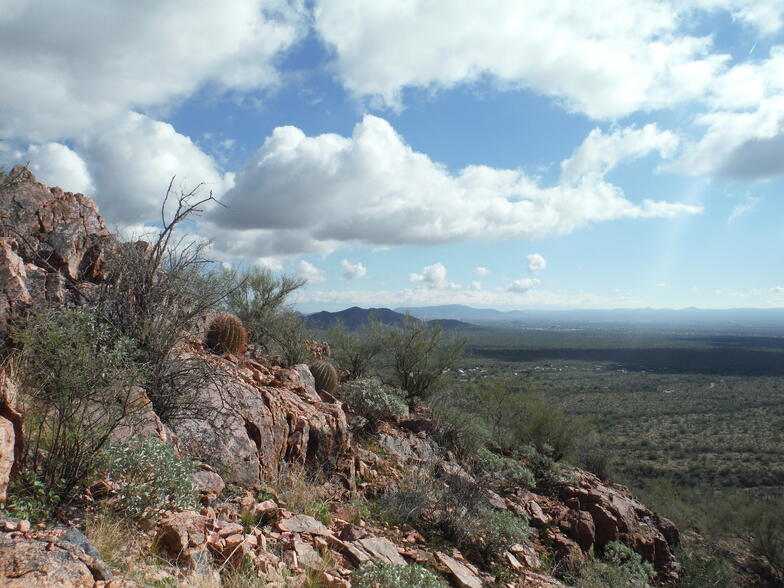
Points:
x=267, y=418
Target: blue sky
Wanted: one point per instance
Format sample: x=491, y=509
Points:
x=503, y=154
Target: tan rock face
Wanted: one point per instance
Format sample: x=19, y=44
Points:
x=11, y=440
x=50, y=241
x=257, y=430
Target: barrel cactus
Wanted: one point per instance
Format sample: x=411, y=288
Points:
x=227, y=334
x=325, y=374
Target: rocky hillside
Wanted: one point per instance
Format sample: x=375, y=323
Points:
x=295, y=485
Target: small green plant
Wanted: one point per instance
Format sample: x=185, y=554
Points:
x=373, y=400
x=628, y=560
x=29, y=498
x=151, y=477
x=325, y=375
x=377, y=575
x=227, y=334
x=507, y=471
x=320, y=510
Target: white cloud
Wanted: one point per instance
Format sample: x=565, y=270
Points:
x=475, y=286
x=130, y=56
x=133, y=161
x=599, y=152
x=352, y=271
x=604, y=58
x=523, y=285
x=310, y=272
x=433, y=276
x=54, y=164
x=387, y=194
x=748, y=204
x=536, y=262
x=481, y=271
x=744, y=136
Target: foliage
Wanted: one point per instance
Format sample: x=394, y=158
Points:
x=151, y=477
x=356, y=351
x=226, y=334
x=325, y=375
x=702, y=569
x=619, y=567
x=377, y=575
x=457, y=510
x=419, y=356
x=373, y=400
x=507, y=471
x=155, y=292
x=259, y=298
x=78, y=385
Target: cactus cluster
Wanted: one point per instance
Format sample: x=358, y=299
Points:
x=325, y=374
x=227, y=334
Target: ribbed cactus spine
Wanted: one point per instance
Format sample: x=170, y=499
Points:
x=325, y=374
x=227, y=334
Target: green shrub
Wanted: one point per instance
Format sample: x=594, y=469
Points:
x=377, y=575
x=356, y=351
x=702, y=569
x=507, y=471
x=619, y=567
x=78, y=385
x=150, y=475
x=419, y=356
x=458, y=510
x=373, y=400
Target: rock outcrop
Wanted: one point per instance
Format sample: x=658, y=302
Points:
x=11, y=441
x=263, y=419
x=52, y=245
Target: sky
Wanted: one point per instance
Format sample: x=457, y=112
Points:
x=511, y=154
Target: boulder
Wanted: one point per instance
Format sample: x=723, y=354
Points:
x=53, y=244
x=11, y=441
x=461, y=575
x=59, y=557
x=255, y=431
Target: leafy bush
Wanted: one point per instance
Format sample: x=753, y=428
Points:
x=356, y=351
x=155, y=292
x=619, y=567
x=458, y=510
x=509, y=472
x=419, y=356
x=702, y=569
x=373, y=400
x=78, y=385
x=377, y=575
x=150, y=475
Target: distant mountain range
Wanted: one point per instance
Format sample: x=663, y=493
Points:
x=355, y=317
x=740, y=317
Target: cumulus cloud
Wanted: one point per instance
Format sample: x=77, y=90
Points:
x=310, y=272
x=390, y=195
x=133, y=161
x=54, y=164
x=433, y=276
x=481, y=271
x=523, y=285
x=475, y=286
x=352, y=271
x=744, y=131
x=536, y=262
x=59, y=84
x=603, y=58
x=599, y=152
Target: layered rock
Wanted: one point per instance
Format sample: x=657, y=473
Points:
x=11, y=441
x=53, y=244
x=262, y=420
